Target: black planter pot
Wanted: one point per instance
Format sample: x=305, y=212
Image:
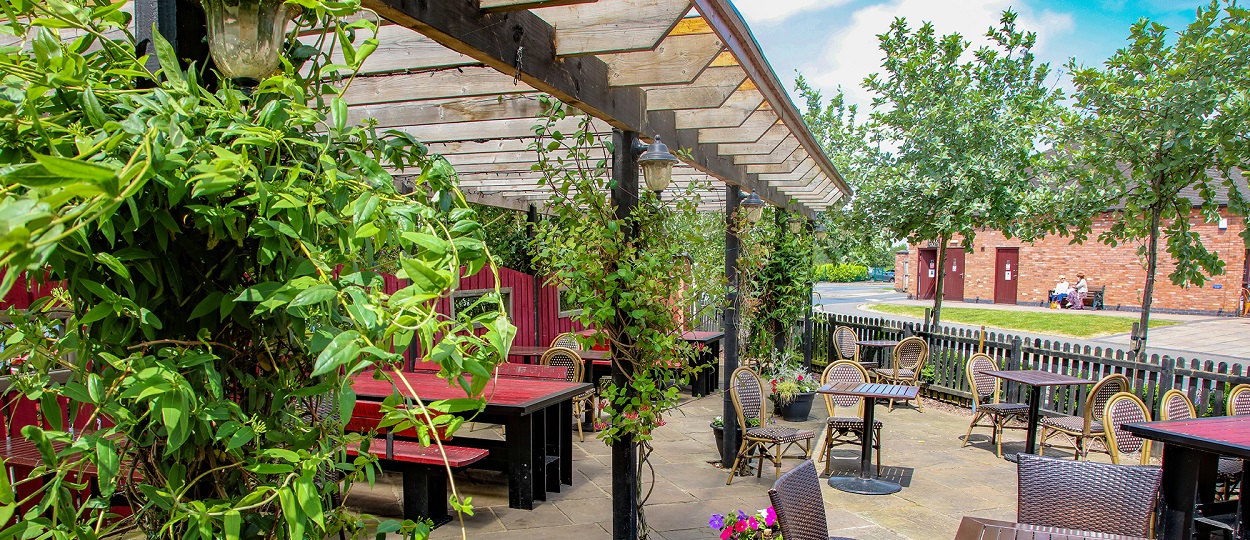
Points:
x=799, y=409
x=719, y=433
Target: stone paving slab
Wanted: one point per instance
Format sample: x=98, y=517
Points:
x=943, y=483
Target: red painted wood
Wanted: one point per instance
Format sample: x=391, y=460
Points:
x=1228, y=435
x=533, y=371
x=367, y=414
x=510, y=394
x=413, y=452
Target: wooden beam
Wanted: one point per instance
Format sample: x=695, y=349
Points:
x=677, y=60
x=522, y=128
x=711, y=89
x=613, y=25
x=449, y=111
x=497, y=201
x=787, y=165
x=784, y=149
x=512, y=5
x=691, y=25
x=807, y=166
x=750, y=131
x=733, y=112
x=765, y=145
x=455, y=82
x=479, y=147
x=400, y=49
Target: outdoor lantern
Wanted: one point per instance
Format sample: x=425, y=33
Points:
x=246, y=36
x=821, y=233
x=657, y=165
x=794, y=224
x=754, y=207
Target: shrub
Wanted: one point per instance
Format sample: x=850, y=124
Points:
x=840, y=273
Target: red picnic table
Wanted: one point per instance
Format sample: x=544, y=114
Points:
x=708, y=345
x=537, y=452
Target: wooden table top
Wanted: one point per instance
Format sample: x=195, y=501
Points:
x=877, y=343
x=1224, y=435
x=1037, y=377
x=702, y=337
x=975, y=528
x=529, y=350
x=503, y=396
x=871, y=390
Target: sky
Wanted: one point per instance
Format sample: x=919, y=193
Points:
x=833, y=42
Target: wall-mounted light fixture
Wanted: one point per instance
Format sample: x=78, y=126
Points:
x=753, y=205
x=794, y=224
x=246, y=37
x=657, y=164
x=821, y=232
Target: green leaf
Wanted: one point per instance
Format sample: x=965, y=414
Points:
x=315, y=295
x=209, y=304
x=341, y=350
x=72, y=168
x=233, y=523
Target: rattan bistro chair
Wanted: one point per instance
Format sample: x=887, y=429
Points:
x=799, y=505
x=1175, y=405
x=844, y=343
x=748, y=398
x=909, y=357
x=1126, y=408
x=1239, y=400
x=567, y=340
x=1085, y=495
x=568, y=358
x=1082, y=432
x=841, y=430
x=999, y=414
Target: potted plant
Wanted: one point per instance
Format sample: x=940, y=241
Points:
x=794, y=388
x=738, y=525
x=718, y=432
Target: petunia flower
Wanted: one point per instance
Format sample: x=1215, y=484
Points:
x=725, y=534
x=770, y=516
x=740, y=526
x=717, y=522
x=752, y=523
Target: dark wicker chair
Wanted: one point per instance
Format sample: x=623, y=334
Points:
x=1082, y=433
x=1097, y=497
x=568, y=358
x=909, y=357
x=748, y=398
x=799, y=505
x=841, y=430
x=1126, y=408
x=999, y=414
x=844, y=343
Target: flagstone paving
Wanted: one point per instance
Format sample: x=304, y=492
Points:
x=942, y=483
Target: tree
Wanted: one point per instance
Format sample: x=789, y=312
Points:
x=956, y=135
x=1159, y=124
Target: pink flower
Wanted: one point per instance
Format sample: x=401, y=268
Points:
x=770, y=516
x=800, y=377
x=660, y=423
x=752, y=523
x=631, y=415
x=725, y=534
x=740, y=526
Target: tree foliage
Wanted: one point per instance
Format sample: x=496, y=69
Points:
x=1158, y=131
x=220, y=252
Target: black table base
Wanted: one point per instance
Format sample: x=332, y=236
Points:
x=865, y=484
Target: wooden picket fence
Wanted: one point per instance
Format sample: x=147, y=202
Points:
x=1205, y=382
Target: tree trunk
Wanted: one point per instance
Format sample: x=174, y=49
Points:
x=1152, y=266
x=941, y=282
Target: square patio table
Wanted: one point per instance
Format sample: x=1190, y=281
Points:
x=1191, y=446
x=975, y=528
x=708, y=378
x=533, y=354
x=865, y=484
x=538, y=420
x=878, y=347
x=1035, y=379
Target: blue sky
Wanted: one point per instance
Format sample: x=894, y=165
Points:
x=833, y=42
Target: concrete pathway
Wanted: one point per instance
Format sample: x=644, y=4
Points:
x=942, y=483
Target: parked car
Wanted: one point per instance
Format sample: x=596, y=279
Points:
x=880, y=274
x=889, y=275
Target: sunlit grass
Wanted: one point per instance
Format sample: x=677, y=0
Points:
x=1063, y=323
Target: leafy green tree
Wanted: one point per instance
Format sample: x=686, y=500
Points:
x=957, y=134
x=1158, y=130
x=220, y=253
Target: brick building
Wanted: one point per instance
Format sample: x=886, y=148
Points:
x=1002, y=270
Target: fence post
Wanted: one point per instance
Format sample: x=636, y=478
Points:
x=909, y=329
x=1167, y=374
x=1016, y=356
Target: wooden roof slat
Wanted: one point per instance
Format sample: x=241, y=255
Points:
x=401, y=49
x=787, y=165
x=691, y=25
x=765, y=145
x=510, y=5
x=733, y=112
x=613, y=25
x=751, y=129
x=725, y=58
x=485, y=130
x=449, y=111
x=677, y=60
x=784, y=149
x=479, y=147
x=458, y=82
x=807, y=166
x=713, y=87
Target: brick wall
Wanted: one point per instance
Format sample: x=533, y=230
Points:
x=1120, y=268
x=903, y=280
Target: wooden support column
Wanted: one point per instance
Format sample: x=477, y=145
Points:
x=531, y=220
x=807, y=314
x=730, y=416
x=624, y=453
x=183, y=25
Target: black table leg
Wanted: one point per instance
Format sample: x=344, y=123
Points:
x=1242, y=506
x=565, y=433
x=539, y=454
x=520, y=461
x=553, y=444
x=865, y=484
x=1180, y=486
x=1030, y=441
x=425, y=494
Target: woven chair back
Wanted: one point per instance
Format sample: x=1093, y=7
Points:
x=1175, y=405
x=844, y=341
x=1086, y=495
x=843, y=371
x=565, y=358
x=911, y=353
x=1239, y=400
x=982, y=384
x=748, y=395
x=567, y=340
x=1096, y=403
x=800, y=508
x=1125, y=408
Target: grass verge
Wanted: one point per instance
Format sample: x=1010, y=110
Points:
x=1061, y=323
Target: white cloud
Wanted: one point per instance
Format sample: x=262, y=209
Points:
x=775, y=11
x=852, y=52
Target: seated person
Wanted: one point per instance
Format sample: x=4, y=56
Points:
x=1061, y=291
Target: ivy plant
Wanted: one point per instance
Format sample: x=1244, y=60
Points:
x=220, y=252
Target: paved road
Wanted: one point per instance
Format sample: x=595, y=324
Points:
x=1222, y=339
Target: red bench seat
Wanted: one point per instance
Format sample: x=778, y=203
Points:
x=424, y=473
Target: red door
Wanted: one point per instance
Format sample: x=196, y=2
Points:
x=953, y=286
x=926, y=274
x=1006, y=275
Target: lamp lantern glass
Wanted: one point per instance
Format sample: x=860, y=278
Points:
x=794, y=224
x=246, y=37
x=821, y=232
x=753, y=205
x=657, y=165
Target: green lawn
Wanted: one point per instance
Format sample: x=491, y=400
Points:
x=1064, y=323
